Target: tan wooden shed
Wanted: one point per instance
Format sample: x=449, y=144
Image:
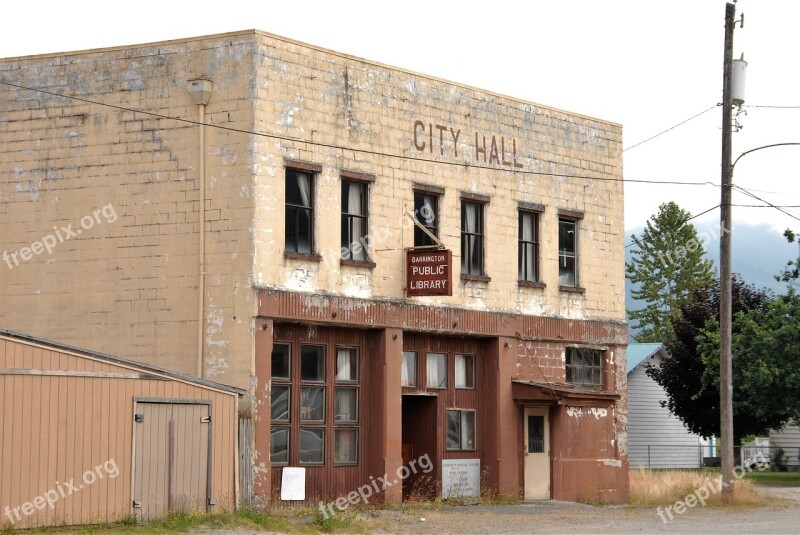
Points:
x=88, y=438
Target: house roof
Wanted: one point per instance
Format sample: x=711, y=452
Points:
x=122, y=362
x=639, y=352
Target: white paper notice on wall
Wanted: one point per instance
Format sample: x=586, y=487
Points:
x=293, y=483
x=461, y=478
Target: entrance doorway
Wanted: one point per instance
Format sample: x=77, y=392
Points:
x=536, y=453
x=419, y=439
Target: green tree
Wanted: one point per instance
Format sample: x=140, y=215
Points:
x=766, y=365
x=688, y=378
x=666, y=266
x=792, y=271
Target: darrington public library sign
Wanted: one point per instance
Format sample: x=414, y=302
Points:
x=429, y=272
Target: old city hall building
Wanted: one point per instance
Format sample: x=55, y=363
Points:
x=397, y=269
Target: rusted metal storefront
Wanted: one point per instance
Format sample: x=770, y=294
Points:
x=88, y=438
x=364, y=392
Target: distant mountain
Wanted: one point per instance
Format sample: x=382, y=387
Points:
x=759, y=253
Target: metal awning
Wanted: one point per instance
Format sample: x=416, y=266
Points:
x=556, y=392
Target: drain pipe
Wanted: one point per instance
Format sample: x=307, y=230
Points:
x=200, y=91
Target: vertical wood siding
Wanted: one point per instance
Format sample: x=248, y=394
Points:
x=55, y=428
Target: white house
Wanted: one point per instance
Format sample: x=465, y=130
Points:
x=787, y=439
x=656, y=438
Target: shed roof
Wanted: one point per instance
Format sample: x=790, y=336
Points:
x=122, y=362
x=639, y=352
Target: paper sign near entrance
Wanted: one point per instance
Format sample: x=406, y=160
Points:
x=461, y=478
x=429, y=272
x=293, y=483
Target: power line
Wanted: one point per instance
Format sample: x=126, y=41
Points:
x=771, y=107
x=671, y=128
x=756, y=197
x=689, y=219
x=343, y=148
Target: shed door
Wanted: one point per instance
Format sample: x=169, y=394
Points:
x=171, y=458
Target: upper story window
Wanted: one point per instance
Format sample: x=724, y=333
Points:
x=471, y=238
x=585, y=367
x=355, y=216
x=528, y=250
x=426, y=210
x=299, y=211
x=567, y=252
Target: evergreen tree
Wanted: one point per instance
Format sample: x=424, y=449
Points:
x=667, y=265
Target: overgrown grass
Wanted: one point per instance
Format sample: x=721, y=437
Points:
x=665, y=487
x=246, y=519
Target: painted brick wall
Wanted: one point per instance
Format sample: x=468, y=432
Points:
x=129, y=287
x=128, y=284
x=361, y=116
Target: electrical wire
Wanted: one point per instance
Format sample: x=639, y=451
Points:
x=346, y=148
x=670, y=128
x=689, y=219
x=756, y=197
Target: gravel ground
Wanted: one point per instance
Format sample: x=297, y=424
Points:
x=783, y=517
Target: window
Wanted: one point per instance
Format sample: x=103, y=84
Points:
x=465, y=371
x=408, y=374
x=460, y=430
x=528, y=257
x=346, y=364
x=345, y=446
x=584, y=367
x=312, y=404
x=471, y=238
x=567, y=252
x=354, y=221
x=281, y=361
x=437, y=370
x=312, y=445
x=425, y=210
x=281, y=402
x=299, y=212
x=346, y=405
x=312, y=363
x=279, y=445
x=315, y=404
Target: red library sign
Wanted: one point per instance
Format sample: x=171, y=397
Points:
x=429, y=272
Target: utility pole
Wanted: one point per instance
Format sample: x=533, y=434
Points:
x=725, y=308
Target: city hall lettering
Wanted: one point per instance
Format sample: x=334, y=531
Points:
x=495, y=151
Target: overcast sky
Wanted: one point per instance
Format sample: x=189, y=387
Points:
x=647, y=65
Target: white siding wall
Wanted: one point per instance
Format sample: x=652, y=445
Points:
x=671, y=445
x=789, y=440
